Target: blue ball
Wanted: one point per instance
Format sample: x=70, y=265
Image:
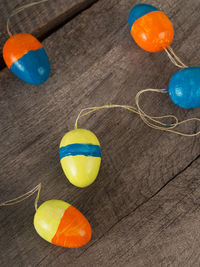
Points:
x=184, y=88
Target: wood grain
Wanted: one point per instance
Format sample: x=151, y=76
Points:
x=94, y=61
x=164, y=231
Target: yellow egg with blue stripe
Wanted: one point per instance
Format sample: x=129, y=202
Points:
x=80, y=157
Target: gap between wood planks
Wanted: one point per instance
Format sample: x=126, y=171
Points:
x=143, y=203
x=52, y=26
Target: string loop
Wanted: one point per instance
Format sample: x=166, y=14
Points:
x=174, y=58
x=21, y=198
x=20, y=9
x=154, y=122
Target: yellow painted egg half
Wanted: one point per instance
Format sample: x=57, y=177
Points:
x=80, y=157
x=62, y=224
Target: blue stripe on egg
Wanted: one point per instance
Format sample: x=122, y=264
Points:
x=88, y=150
x=138, y=11
x=33, y=67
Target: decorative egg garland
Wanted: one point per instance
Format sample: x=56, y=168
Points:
x=80, y=154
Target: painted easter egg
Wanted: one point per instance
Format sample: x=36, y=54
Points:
x=80, y=156
x=25, y=56
x=184, y=87
x=150, y=28
x=62, y=224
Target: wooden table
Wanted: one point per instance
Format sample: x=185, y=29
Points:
x=144, y=207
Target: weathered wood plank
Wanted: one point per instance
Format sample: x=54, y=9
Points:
x=39, y=20
x=93, y=63
x=162, y=232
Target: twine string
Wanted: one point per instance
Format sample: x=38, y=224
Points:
x=154, y=122
x=20, y=9
x=21, y=198
x=174, y=58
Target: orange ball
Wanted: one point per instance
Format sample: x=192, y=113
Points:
x=152, y=31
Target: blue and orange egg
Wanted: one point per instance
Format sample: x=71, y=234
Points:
x=150, y=28
x=25, y=56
